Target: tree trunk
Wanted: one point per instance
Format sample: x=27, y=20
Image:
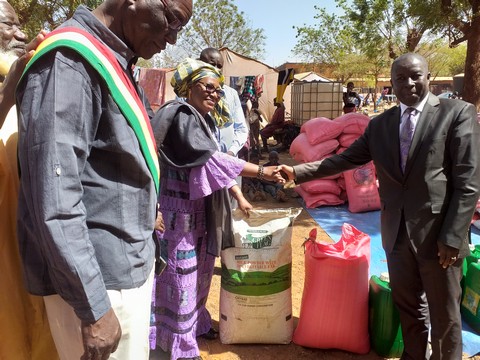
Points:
x=471, y=81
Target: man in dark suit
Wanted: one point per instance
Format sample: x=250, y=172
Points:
x=427, y=202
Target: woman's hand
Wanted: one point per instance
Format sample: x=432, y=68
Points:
x=243, y=204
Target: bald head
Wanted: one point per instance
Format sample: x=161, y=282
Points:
x=146, y=26
x=409, y=57
x=212, y=56
x=12, y=39
x=410, y=78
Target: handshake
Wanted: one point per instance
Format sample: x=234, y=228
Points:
x=279, y=174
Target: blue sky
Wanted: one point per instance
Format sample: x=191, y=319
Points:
x=277, y=17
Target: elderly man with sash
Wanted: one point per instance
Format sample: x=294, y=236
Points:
x=90, y=176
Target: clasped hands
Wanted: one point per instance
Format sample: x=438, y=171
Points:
x=284, y=172
x=274, y=173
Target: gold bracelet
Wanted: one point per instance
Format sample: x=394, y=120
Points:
x=260, y=172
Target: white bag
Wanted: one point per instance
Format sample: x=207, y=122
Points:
x=255, y=295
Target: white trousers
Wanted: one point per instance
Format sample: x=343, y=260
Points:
x=132, y=308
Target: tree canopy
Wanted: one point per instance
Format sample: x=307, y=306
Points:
x=35, y=15
x=217, y=24
x=380, y=30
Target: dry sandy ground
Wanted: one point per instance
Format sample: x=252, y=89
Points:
x=215, y=350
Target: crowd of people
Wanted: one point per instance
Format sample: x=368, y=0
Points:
x=113, y=215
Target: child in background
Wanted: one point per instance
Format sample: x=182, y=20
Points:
x=275, y=190
x=252, y=187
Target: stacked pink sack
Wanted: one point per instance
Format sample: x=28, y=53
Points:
x=321, y=137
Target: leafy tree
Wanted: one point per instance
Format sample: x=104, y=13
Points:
x=35, y=15
x=399, y=26
x=459, y=22
x=334, y=40
x=217, y=24
x=330, y=42
x=420, y=24
x=444, y=60
x=456, y=59
x=390, y=22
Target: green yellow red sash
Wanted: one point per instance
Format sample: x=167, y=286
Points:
x=121, y=88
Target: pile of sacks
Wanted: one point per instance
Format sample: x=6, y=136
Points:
x=320, y=138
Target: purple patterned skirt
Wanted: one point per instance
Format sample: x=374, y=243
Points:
x=180, y=293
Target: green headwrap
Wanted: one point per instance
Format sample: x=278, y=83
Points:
x=189, y=72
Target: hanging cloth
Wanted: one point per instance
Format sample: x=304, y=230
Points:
x=258, y=84
x=285, y=77
x=249, y=89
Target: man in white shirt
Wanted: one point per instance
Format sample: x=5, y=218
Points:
x=234, y=134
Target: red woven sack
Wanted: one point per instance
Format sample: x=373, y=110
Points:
x=313, y=200
x=334, y=311
x=321, y=129
x=353, y=123
x=362, y=190
x=302, y=151
x=321, y=186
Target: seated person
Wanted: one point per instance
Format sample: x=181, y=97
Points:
x=277, y=122
x=274, y=189
x=252, y=187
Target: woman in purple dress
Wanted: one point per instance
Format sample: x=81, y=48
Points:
x=194, y=201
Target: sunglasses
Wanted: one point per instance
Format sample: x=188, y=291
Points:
x=209, y=88
x=174, y=24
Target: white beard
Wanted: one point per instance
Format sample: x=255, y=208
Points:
x=6, y=61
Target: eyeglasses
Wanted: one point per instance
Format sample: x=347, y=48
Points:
x=209, y=88
x=174, y=23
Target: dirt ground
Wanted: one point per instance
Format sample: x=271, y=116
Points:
x=215, y=350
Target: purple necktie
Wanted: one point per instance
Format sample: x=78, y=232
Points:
x=406, y=136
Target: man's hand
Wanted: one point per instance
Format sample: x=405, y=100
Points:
x=447, y=255
x=159, y=223
x=101, y=338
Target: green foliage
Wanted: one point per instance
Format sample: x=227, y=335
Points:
x=35, y=15
x=456, y=59
x=328, y=41
x=332, y=41
x=374, y=32
x=444, y=60
x=217, y=24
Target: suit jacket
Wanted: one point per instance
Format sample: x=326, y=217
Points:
x=440, y=188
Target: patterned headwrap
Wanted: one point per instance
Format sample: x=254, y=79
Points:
x=189, y=72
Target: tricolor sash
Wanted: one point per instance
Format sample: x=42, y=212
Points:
x=121, y=88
